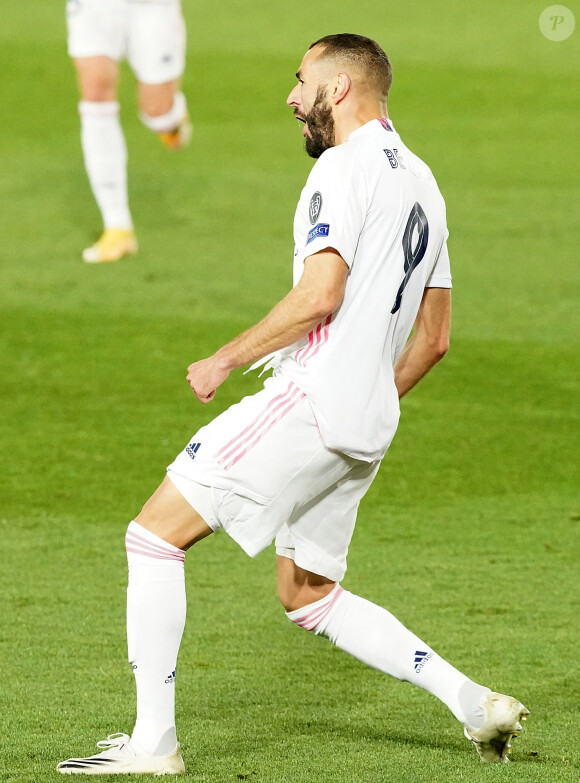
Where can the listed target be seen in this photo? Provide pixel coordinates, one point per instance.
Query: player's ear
(341, 87)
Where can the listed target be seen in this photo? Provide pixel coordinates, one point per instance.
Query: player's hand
(204, 377)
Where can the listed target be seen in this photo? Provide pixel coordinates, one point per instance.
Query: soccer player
(151, 35)
(293, 461)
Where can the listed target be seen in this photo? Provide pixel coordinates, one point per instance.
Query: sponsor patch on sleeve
(320, 230)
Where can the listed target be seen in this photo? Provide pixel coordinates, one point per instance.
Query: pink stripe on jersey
(302, 355)
(141, 546)
(310, 620)
(304, 358)
(306, 347)
(272, 417)
(322, 337)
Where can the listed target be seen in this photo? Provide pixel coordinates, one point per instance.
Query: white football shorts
(260, 471)
(150, 34)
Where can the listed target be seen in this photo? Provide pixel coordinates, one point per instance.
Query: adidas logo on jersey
(421, 659)
(171, 678)
(192, 449)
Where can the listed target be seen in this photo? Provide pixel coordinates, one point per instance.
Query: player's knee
(159, 116)
(316, 615)
(295, 598)
(155, 106)
(292, 594)
(98, 90)
(285, 598)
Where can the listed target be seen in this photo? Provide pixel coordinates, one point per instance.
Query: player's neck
(346, 122)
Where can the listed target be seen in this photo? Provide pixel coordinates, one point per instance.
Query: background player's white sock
(155, 620)
(377, 638)
(169, 121)
(105, 155)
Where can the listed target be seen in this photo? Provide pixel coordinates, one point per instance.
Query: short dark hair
(364, 53)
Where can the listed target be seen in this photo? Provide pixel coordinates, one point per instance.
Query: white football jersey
(378, 205)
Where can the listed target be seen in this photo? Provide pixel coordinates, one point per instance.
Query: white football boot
(122, 756)
(503, 716)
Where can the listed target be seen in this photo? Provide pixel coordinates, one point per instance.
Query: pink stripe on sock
(159, 548)
(137, 551)
(310, 620)
(146, 547)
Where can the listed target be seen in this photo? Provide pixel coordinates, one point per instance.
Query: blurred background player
(151, 35)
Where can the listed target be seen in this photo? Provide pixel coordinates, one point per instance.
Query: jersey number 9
(413, 255)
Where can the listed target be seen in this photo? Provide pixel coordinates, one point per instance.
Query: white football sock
(105, 155)
(156, 609)
(377, 638)
(169, 121)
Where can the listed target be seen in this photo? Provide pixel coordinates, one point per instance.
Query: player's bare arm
(318, 293)
(429, 342)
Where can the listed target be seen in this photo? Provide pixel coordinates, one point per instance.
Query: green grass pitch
(468, 534)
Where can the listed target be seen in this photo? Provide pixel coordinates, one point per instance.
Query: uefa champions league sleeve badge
(315, 207)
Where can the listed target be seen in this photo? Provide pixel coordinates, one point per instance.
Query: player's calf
(377, 638)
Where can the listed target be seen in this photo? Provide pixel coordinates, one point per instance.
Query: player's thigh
(156, 99)
(261, 458)
(156, 42)
(98, 78)
(171, 517)
(318, 533)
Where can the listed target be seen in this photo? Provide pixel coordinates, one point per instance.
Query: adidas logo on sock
(171, 678)
(192, 449)
(421, 659)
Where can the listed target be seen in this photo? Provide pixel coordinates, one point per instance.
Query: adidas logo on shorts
(192, 449)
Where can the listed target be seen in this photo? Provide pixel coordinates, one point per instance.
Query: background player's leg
(105, 156)
(163, 109)
(156, 608)
(374, 636)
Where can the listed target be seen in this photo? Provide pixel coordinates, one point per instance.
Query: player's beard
(320, 126)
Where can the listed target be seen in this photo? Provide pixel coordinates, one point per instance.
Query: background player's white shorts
(151, 35)
(260, 470)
